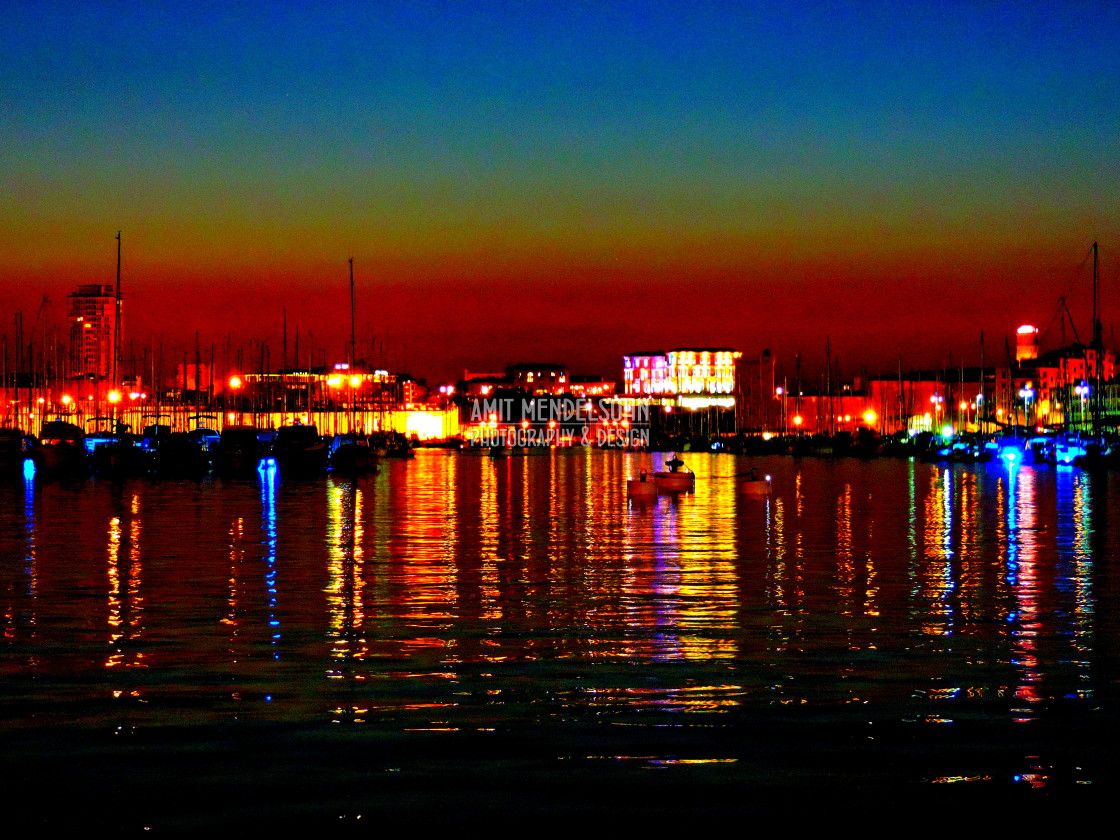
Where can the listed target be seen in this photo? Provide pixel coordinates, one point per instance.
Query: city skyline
(518, 182)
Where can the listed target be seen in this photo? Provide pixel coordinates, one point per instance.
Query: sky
(564, 182)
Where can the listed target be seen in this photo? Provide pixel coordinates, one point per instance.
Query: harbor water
(472, 640)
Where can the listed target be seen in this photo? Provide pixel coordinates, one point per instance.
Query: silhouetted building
(539, 377)
(759, 400)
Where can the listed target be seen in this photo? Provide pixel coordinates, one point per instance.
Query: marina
(601, 418)
(520, 637)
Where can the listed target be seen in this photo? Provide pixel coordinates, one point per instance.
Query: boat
(172, 453)
(61, 449)
(15, 448)
(398, 446)
(675, 482)
(750, 484)
(963, 448)
(642, 487)
(153, 437)
(299, 450)
(239, 451)
(184, 455)
(677, 479)
(351, 454)
(113, 449)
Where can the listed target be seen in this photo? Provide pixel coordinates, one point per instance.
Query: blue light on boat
(28, 469)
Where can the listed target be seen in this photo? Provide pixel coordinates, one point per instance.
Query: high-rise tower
(93, 325)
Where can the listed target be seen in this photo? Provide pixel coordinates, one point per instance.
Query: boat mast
(980, 399)
(1096, 319)
(352, 313)
(116, 319)
(828, 385)
(1098, 351)
(352, 352)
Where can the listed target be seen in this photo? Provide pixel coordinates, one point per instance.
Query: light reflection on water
(457, 593)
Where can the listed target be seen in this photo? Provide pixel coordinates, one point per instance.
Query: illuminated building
(700, 375)
(646, 374)
(323, 389)
(1026, 343)
(590, 386)
(927, 400)
(688, 377)
(538, 379)
(93, 316)
(482, 384)
(1051, 379)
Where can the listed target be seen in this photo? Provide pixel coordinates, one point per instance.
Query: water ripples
(459, 594)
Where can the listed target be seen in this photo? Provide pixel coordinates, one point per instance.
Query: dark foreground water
(467, 641)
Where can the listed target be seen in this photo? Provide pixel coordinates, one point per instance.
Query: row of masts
(115, 366)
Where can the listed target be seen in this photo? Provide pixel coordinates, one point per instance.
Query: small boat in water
(676, 479)
(642, 487)
(751, 484)
(394, 445)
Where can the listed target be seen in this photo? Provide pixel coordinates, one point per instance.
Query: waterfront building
(687, 377)
(324, 389)
(928, 401)
(92, 314)
(538, 377)
(591, 386)
(1053, 387)
(759, 397)
(482, 384)
(646, 374)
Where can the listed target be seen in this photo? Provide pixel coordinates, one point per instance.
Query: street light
(1026, 393)
(1082, 391)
